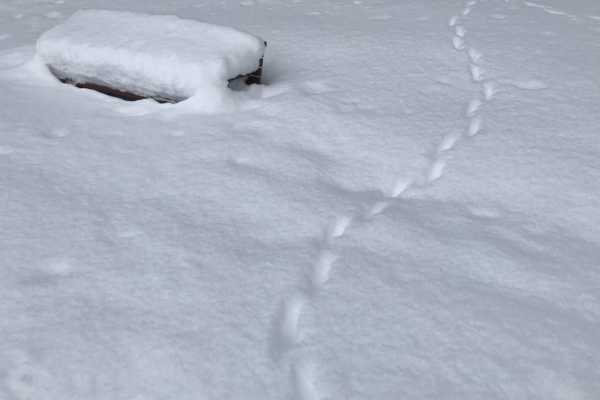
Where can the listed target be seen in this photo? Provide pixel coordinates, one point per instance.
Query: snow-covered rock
(148, 55)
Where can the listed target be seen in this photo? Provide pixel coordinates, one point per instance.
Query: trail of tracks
(289, 329)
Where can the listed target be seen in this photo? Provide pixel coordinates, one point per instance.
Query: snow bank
(148, 55)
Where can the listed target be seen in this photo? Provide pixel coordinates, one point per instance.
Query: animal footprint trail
(488, 89)
(289, 321)
(474, 105)
(303, 370)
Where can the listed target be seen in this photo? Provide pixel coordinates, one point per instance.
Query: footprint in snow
(474, 125)
(338, 228)
(489, 89)
(458, 43)
(322, 268)
(472, 107)
(290, 318)
(474, 55)
(452, 21)
(448, 142)
(377, 209)
(436, 170)
(476, 73)
(401, 186)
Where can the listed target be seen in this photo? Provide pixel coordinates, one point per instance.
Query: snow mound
(148, 55)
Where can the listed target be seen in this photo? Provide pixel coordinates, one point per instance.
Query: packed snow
(149, 55)
(406, 209)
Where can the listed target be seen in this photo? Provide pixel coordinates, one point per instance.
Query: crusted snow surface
(149, 55)
(389, 217)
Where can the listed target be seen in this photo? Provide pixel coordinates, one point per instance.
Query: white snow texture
(406, 209)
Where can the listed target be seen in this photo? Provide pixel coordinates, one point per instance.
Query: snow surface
(408, 209)
(149, 55)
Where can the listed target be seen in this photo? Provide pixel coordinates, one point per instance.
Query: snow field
(399, 217)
